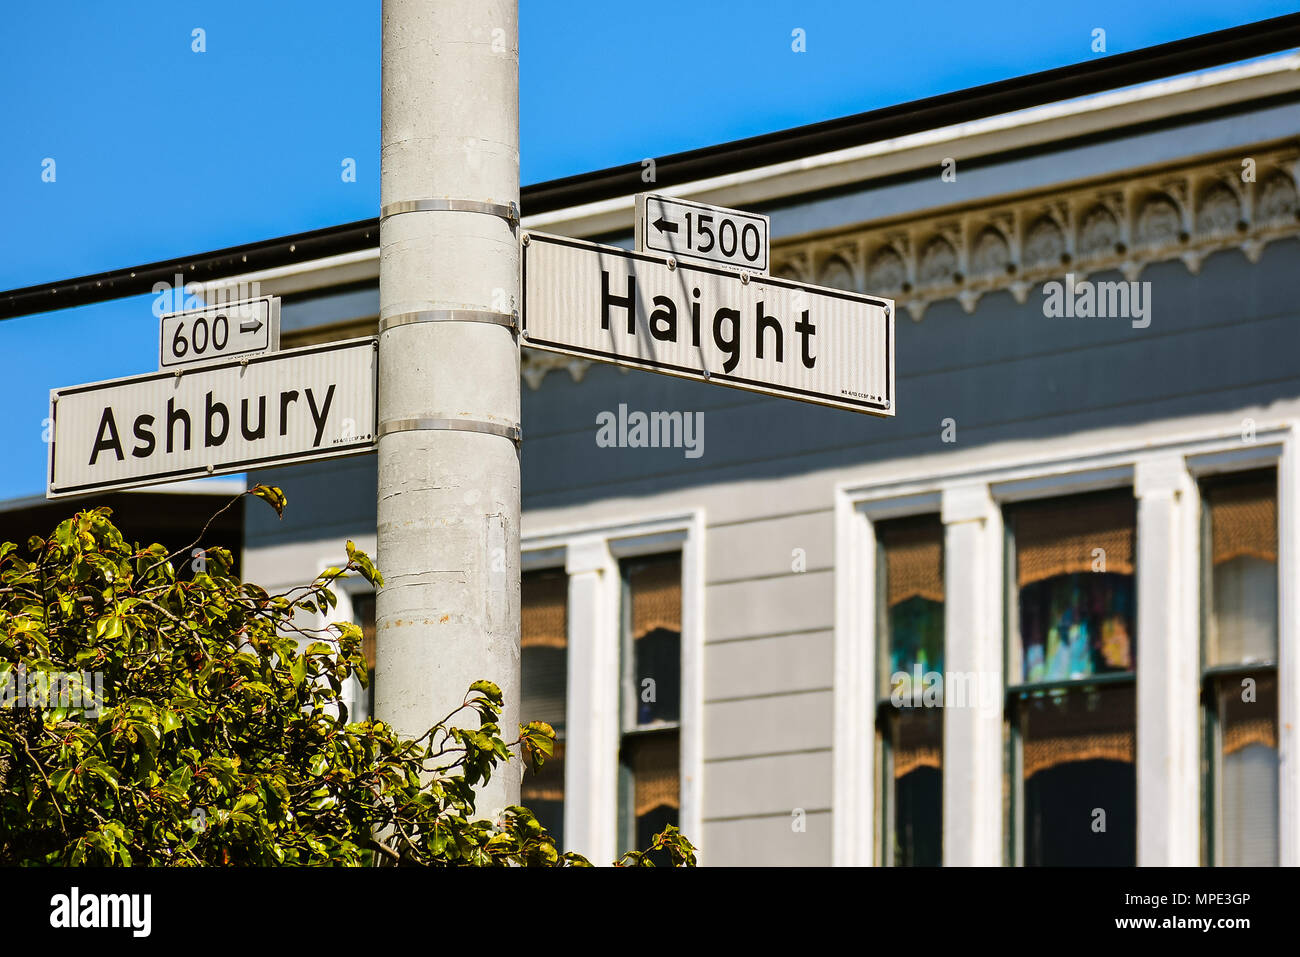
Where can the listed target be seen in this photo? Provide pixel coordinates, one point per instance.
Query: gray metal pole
(448, 528)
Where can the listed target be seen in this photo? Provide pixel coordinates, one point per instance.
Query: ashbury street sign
(272, 409)
(718, 325)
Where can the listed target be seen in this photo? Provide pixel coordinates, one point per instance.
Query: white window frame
(590, 555)
(1164, 477)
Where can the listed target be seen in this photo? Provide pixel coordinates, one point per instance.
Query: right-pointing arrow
(250, 325)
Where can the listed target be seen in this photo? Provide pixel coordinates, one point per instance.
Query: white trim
(1168, 633)
(1251, 456)
(590, 554)
(854, 832)
(1061, 483)
(1177, 461)
(853, 797)
(1024, 464)
(973, 645)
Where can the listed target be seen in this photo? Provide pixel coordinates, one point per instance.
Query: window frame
(590, 554)
(882, 706)
(1013, 656)
(1211, 737)
(1016, 472)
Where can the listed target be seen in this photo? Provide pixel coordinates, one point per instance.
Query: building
(1085, 515)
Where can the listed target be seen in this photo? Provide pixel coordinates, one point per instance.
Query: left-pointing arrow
(665, 226)
(250, 325)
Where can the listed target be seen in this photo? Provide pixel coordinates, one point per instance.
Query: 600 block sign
(219, 332)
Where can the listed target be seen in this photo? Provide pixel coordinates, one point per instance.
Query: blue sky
(160, 151)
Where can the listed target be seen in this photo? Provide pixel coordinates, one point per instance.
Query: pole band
(511, 432)
(509, 213)
(509, 320)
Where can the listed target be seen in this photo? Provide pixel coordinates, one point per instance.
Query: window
(1071, 679)
(1239, 679)
(909, 724)
(651, 663)
(544, 673)
(363, 699)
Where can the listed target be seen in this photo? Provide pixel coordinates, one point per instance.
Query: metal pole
(448, 525)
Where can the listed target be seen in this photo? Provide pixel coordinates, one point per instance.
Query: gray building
(1045, 614)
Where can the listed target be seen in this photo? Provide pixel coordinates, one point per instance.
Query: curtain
(655, 595)
(544, 646)
(1061, 536)
(1247, 783)
(1243, 529)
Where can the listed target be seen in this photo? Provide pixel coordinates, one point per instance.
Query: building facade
(1046, 614)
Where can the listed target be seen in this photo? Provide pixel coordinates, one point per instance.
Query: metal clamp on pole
(511, 432)
(510, 320)
(509, 213)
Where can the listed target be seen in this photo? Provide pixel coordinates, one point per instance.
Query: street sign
(213, 333)
(690, 230)
(758, 333)
(272, 409)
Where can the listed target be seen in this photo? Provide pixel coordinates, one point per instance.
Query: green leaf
(272, 495)
(171, 721)
(180, 779)
(102, 771)
(364, 565)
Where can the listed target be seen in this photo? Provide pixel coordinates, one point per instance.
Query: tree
(169, 718)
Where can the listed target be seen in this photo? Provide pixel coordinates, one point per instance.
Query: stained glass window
(1075, 586)
(910, 722)
(1074, 653)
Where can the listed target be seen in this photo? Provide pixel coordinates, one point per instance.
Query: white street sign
(690, 230)
(758, 333)
(212, 333)
(273, 409)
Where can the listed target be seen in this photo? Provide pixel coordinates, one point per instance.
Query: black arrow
(250, 325)
(664, 226)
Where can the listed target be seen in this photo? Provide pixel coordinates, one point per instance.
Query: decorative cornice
(1125, 223)
(534, 364)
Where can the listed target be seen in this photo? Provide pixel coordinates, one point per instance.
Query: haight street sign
(272, 409)
(758, 333)
(679, 227)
